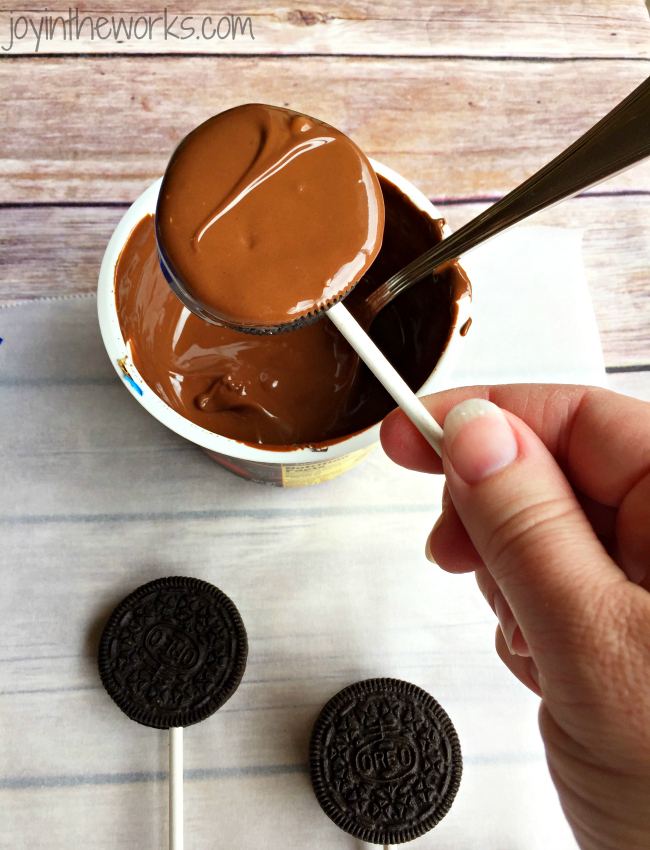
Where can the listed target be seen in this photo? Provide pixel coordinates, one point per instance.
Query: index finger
(600, 439)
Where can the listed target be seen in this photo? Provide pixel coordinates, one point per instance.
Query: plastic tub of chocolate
(422, 333)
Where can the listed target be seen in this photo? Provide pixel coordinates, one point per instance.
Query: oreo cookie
(173, 652)
(385, 761)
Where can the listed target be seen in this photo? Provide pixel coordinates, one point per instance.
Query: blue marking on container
(130, 380)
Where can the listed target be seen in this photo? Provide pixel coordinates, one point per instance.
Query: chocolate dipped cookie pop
(265, 217)
(385, 761)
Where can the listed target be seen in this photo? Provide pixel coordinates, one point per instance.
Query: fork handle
(621, 139)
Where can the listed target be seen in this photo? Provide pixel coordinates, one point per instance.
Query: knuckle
(624, 643)
(517, 532)
(618, 650)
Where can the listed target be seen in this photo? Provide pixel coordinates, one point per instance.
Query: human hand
(548, 501)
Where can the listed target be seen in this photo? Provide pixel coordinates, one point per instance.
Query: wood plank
(49, 252)
(71, 241)
(92, 128)
(557, 28)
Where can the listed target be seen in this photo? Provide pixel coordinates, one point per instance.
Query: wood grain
(65, 259)
(53, 251)
(89, 129)
(557, 28)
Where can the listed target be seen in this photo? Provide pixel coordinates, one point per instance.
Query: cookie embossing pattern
(385, 761)
(173, 652)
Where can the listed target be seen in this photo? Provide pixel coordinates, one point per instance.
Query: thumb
(528, 527)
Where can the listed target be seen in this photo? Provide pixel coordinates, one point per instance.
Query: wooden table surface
(465, 99)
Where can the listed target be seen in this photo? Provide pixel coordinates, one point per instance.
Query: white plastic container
(291, 467)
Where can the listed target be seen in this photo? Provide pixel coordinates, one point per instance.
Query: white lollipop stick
(389, 377)
(176, 788)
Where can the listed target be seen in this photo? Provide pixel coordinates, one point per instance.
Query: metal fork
(617, 142)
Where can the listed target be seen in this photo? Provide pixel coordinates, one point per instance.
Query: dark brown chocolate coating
(266, 215)
(306, 387)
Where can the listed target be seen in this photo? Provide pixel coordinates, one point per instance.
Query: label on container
(300, 474)
(290, 474)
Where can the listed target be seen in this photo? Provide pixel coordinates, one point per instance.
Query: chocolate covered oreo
(385, 761)
(266, 216)
(173, 652)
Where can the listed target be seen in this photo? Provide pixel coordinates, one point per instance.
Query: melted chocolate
(307, 387)
(266, 215)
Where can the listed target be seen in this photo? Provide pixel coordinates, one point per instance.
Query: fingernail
(512, 634)
(427, 547)
(478, 439)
